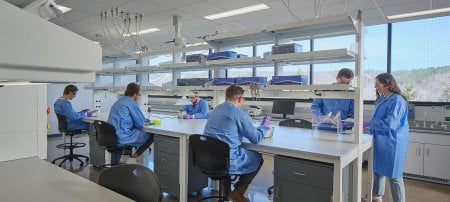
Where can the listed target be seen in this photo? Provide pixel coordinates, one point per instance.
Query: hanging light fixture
(123, 30)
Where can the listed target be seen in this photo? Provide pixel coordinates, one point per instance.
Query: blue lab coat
(128, 120)
(230, 124)
(390, 129)
(64, 107)
(199, 110)
(323, 106)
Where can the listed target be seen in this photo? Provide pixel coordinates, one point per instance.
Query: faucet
(416, 124)
(426, 119)
(434, 124)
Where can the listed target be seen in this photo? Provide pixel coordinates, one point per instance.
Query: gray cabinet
(96, 154)
(304, 180)
(167, 167)
(427, 157)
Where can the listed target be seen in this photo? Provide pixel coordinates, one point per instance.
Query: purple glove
(188, 116)
(365, 124)
(266, 121)
(85, 110)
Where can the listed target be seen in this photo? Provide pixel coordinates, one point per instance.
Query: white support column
(358, 130)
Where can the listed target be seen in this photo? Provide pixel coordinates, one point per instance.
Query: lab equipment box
(286, 48)
(195, 58)
(290, 80)
(192, 82)
(249, 80)
(224, 81)
(222, 55)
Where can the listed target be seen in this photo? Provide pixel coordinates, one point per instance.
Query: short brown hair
(345, 72)
(70, 88)
(233, 92)
(132, 89)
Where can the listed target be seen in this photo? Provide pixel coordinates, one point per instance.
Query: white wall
(23, 121)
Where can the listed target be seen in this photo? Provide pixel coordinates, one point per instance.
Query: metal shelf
(236, 61)
(316, 28)
(315, 57)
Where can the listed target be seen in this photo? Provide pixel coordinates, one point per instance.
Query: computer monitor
(283, 107)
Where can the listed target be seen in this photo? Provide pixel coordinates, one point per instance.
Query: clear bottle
(338, 123)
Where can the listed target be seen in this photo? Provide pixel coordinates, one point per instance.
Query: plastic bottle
(338, 123)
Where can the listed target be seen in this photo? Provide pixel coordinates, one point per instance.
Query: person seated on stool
(324, 106)
(128, 119)
(229, 123)
(198, 109)
(63, 106)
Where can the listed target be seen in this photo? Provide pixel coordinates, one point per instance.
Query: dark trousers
(245, 179)
(146, 145)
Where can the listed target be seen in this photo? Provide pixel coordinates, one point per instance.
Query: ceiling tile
(168, 15)
(81, 27)
(200, 9)
(174, 3)
(87, 6)
(144, 7)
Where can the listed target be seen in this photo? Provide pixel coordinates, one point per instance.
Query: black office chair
(106, 138)
(62, 127)
(212, 157)
(294, 123)
(134, 181)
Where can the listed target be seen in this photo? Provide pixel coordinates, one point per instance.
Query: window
(105, 81)
(247, 50)
(337, 42)
(160, 79)
(261, 49)
(108, 65)
(160, 59)
(194, 74)
(326, 73)
(374, 58)
(420, 57)
(125, 63)
(240, 72)
(125, 79)
(265, 71)
(288, 69)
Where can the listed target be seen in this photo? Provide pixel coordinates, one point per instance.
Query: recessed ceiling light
(239, 11)
(420, 13)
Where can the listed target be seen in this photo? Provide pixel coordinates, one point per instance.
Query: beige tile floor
(416, 191)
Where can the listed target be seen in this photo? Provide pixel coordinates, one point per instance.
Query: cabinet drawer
(304, 171)
(170, 187)
(287, 191)
(167, 172)
(167, 144)
(164, 159)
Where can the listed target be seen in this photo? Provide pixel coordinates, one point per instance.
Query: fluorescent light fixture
(196, 44)
(239, 11)
(96, 42)
(63, 8)
(13, 83)
(420, 13)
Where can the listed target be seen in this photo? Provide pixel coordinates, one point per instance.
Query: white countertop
(34, 179)
(285, 140)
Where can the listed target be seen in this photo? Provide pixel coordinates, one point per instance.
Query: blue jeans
(397, 187)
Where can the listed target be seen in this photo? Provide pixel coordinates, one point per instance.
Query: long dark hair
(388, 80)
